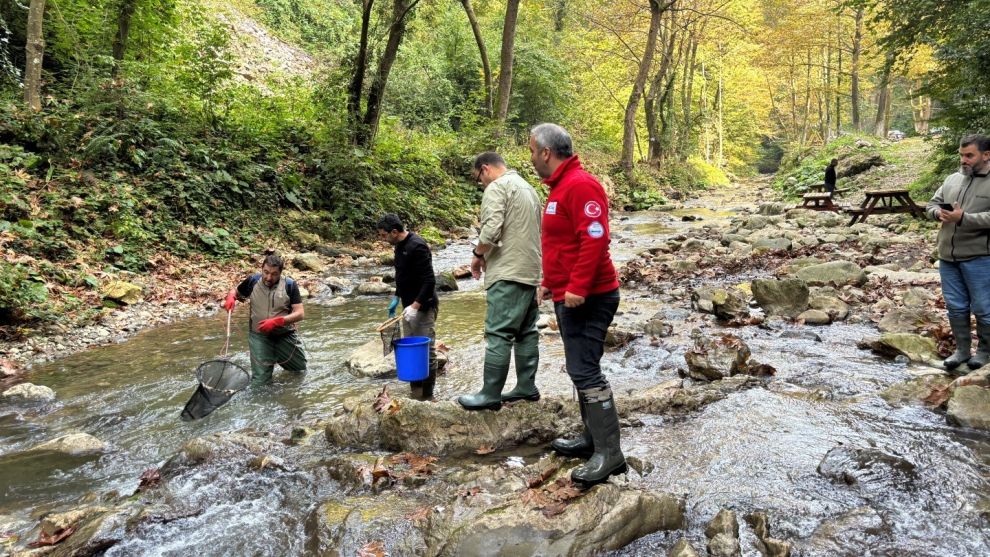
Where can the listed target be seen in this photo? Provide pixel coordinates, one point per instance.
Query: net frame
(389, 332)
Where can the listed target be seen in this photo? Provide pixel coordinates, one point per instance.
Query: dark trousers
(583, 331)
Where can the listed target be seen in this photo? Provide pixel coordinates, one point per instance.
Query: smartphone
(946, 206)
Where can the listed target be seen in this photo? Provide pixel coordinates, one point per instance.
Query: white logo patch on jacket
(552, 208)
(596, 230)
(593, 209)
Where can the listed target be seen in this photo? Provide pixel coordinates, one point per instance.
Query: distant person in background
(508, 253)
(962, 205)
(415, 289)
(830, 176)
(276, 306)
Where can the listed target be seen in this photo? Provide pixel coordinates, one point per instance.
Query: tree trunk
(854, 72)
(687, 95)
(657, 87)
(35, 50)
(639, 85)
(559, 11)
(356, 86)
(881, 122)
(376, 92)
(486, 67)
(921, 110)
(838, 79)
(505, 63)
(123, 31)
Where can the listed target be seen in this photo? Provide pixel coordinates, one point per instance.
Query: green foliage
(22, 294)
(800, 170)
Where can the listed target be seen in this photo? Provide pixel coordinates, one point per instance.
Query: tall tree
(124, 15)
(639, 85)
(35, 49)
(505, 62)
(486, 67)
(857, 48)
(881, 122)
(354, 90)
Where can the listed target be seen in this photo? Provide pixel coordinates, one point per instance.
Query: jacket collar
(569, 164)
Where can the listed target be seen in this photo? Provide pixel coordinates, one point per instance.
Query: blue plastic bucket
(412, 358)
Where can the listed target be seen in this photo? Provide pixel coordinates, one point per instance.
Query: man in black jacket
(830, 176)
(415, 289)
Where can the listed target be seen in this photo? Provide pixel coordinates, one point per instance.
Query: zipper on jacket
(955, 226)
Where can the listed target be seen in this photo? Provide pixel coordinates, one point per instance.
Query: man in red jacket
(579, 276)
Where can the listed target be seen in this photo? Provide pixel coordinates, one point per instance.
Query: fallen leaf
(382, 401)
(553, 509)
(420, 515)
(940, 395)
(485, 449)
(150, 479)
(53, 539)
(546, 474)
(372, 549)
(469, 492)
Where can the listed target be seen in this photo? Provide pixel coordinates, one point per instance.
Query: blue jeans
(966, 288)
(583, 331)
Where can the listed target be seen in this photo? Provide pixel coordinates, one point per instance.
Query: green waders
(267, 350)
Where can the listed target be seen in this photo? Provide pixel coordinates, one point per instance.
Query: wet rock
(122, 292)
(834, 273)
(682, 549)
(72, 444)
(814, 317)
(711, 360)
(96, 529)
(337, 284)
(8, 368)
(914, 390)
(907, 320)
(856, 532)
(374, 288)
(771, 244)
(670, 397)
(345, 526)
(836, 309)
(222, 446)
(462, 272)
(725, 522)
(871, 470)
(978, 378)
(368, 361)
(801, 334)
(915, 347)
(658, 327)
(771, 547)
(787, 297)
(616, 337)
(725, 303)
(307, 262)
(770, 209)
(53, 523)
(723, 545)
(28, 392)
(303, 292)
(446, 282)
(970, 407)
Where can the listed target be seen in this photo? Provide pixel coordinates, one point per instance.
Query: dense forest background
(134, 130)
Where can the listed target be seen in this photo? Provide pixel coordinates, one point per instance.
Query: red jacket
(575, 234)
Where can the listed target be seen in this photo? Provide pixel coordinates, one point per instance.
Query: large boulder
(814, 317)
(836, 309)
(711, 360)
(73, 444)
(787, 297)
(725, 303)
(682, 549)
(368, 361)
(307, 262)
(374, 288)
(857, 163)
(28, 392)
(446, 282)
(833, 273)
(771, 244)
(907, 320)
(916, 347)
(970, 407)
(122, 291)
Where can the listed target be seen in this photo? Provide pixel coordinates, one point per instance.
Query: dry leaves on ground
(553, 498)
(484, 449)
(374, 473)
(545, 475)
(385, 404)
(940, 395)
(420, 515)
(469, 492)
(149, 479)
(372, 549)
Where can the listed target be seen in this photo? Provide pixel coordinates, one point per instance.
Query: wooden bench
(885, 202)
(818, 202)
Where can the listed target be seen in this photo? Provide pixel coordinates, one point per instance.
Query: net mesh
(390, 333)
(219, 380)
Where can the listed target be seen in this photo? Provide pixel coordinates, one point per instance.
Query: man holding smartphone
(962, 205)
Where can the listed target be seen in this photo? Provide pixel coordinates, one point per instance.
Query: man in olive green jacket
(962, 205)
(508, 252)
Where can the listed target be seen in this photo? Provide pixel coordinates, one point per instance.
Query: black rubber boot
(582, 446)
(603, 422)
(490, 396)
(423, 390)
(982, 355)
(961, 332)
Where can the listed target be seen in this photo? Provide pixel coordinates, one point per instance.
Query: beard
(966, 170)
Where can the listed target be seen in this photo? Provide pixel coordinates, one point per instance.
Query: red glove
(267, 325)
(230, 302)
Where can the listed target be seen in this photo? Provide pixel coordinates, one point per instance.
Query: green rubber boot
(982, 355)
(527, 362)
(490, 396)
(603, 422)
(963, 335)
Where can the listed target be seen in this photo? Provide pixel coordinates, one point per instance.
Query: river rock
(869, 469)
(544, 321)
(344, 526)
(223, 446)
(836, 309)
(337, 284)
(462, 272)
(856, 532)
(770, 209)
(916, 347)
(725, 522)
(658, 327)
(970, 407)
(73, 444)
(725, 303)
(368, 361)
(54, 523)
(616, 337)
(122, 291)
(915, 389)
(28, 392)
(771, 244)
(907, 320)
(857, 163)
(787, 297)
(834, 273)
(670, 397)
(917, 297)
(446, 282)
(307, 262)
(814, 317)
(373, 288)
(711, 360)
(682, 549)
(723, 545)
(798, 263)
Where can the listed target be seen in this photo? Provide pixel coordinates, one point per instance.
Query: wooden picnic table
(820, 188)
(818, 202)
(885, 202)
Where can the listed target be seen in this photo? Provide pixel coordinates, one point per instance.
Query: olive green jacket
(511, 213)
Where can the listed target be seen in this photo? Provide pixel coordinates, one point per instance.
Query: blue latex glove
(392, 306)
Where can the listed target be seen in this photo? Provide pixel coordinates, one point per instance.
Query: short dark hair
(491, 158)
(390, 222)
(553, 137)
(273, 259)
(981, 141)
(834, 162)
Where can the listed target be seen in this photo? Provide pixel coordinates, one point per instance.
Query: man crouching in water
(276, 306)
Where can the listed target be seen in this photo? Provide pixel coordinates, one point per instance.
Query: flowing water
(919, 486)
